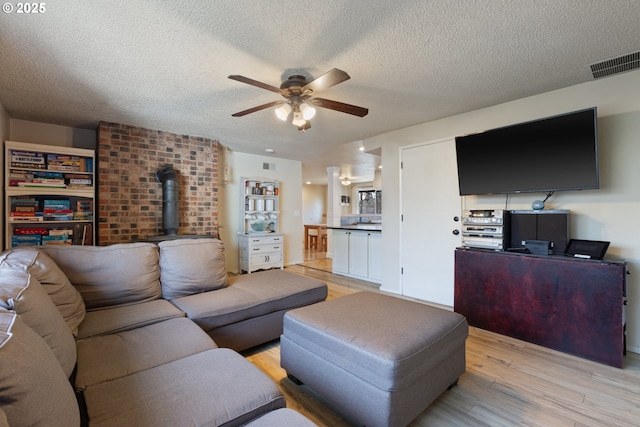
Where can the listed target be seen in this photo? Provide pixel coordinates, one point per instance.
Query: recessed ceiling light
(269, 150)
(308, 182)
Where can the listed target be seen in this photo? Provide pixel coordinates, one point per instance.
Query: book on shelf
(27, 159)
(57, 210)
(42, 184)
(79, 179)
(57, 204)
(26, 240)
(66, 232)
(87, 235)
(63, 162)
(24, 202)
(56, 240)
(23, 213)
(21, 231)
(26, 219)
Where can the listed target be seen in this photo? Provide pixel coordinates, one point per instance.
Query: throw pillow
(64, 295)
(21, 292)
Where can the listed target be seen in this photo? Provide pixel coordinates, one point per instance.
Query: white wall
(45, 133)
(289, 173)
(606, 214)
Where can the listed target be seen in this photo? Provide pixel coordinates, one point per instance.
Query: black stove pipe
(169, 179)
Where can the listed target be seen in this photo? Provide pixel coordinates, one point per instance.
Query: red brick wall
(130, 197)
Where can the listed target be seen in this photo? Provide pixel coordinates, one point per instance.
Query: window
(370, 201)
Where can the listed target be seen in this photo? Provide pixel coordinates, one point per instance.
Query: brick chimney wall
(129, 195)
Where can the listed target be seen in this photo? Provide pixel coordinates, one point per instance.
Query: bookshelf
(49, 195)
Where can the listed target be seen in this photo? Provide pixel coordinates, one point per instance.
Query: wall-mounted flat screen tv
(549, 154)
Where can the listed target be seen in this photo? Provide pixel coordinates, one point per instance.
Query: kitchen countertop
(357, 227)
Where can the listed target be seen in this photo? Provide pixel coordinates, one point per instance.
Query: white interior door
(429, 203)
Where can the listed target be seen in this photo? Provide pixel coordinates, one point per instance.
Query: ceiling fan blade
(325, 81)
(340, 106)
(256, 83)
(258, 108)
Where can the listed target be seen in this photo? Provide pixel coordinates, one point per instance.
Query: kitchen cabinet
(374, 250)
(357, 253)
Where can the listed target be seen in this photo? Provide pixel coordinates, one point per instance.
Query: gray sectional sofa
(133, 335)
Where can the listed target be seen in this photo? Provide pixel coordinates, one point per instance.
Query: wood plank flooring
(508, 382)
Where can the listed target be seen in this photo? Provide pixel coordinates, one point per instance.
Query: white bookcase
(260, 245)
(49, 195)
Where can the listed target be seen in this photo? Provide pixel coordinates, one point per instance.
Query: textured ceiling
(164, 65)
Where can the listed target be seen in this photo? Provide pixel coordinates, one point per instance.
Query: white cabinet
(260, 246)
(340, 249)
(374, 249)
(260, 252)
(49, 195)
(357, 254)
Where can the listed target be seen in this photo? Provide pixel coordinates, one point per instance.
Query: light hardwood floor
(508, 382)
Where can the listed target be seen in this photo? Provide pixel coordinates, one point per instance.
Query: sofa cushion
(107, 357)
(34, 390)
(191, 266)
(125, 317)
(53, 280)
(110, 275)
(252, 295)
(213, 388)
(22, 293)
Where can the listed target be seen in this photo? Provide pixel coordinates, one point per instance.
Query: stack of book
(24, 210)
(57, 210)
(84, 210)
(78, 180)
(37, 179)
(63, 162)
(42, 236)
(28, 160)
(58, 236)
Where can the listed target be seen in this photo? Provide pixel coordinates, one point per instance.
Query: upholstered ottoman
(379, 359)
(282, 417)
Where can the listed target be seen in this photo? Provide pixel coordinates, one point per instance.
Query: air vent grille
(617, 65)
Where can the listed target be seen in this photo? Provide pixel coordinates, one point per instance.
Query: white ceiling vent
(617, 65)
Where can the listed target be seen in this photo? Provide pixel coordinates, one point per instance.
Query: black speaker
(551, 226)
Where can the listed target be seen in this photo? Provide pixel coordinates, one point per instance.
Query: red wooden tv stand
(567, 304)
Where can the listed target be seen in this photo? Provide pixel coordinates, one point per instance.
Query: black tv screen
(550, 154)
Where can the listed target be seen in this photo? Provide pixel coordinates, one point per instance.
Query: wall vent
(268, 166)
(617, 65)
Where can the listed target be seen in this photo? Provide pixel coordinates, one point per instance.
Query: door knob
(456, 232)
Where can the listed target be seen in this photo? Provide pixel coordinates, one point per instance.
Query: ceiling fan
(298, 94)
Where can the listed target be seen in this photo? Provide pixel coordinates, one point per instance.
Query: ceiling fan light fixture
(298, 120)
(283, 111)
(307, 111)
